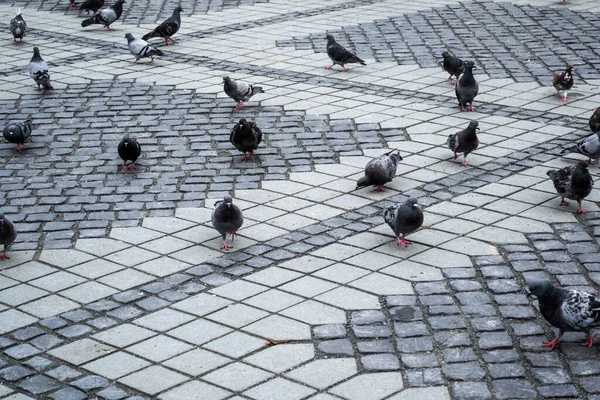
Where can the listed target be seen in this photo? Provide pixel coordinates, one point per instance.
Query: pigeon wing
(580, 310)
(339, 54)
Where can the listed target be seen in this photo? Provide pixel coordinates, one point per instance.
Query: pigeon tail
(148, 35)
(88, 22)
(572, 149)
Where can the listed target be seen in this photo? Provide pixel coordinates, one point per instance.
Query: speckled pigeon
(227, 218)
(129, 149)
(574, 182)
(380, 171)
(39, 71)
(595, 120)
(339, 55)
(141, 49)
(404, 218)
(239, 91)
(563, 82)
(106, 16)
(466, 88)
(452, 65)
(566, 309)
(167, 28)
(18, 27)
(464, 141)
(246, 137)
(18, 133)
(589, 147)
(8, 234)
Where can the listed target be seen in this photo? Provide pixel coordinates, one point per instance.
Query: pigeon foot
(133, 62)
(403, 242)
(378, 188)
(580, 210)
(563, 202)
(590, 162)
(589, 341)
(455, 156)
(344, 69)
(4, 256)
(565, 100)
(450, 79)
(233, 235)
(245, 158)
(19, 147)
(240, 105)
(551, 344)
(329, 66)
(454, 83)
(151, 59)
(132, 166)
(472, 108)
(171, 39)
(464, 164)
(463, 109)
(226, 246)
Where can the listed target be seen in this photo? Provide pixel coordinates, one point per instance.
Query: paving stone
(39, 384)
(89, 383)
(68, 393)
(471, 390)
(339, 347)
(513, 389)
(112, 393)
(15, 372)
(380, 362)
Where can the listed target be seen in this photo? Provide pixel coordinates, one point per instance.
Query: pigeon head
(177, 10)
(474, 125)
(445, 54)
(36, 51)
(228, 201)
(242, 122)
(582, 165)
(226, 79)
(362, 182)
(569, 68)
(540, 288)
(129, 37)
(470, 65)
(411, 201)
(330, 38)
(126, 140)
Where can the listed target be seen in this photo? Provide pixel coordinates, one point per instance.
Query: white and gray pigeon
(39, 71)
(589, 147)
(466, 88)
(566, 309)
(106, 16)
(239, 91)
(18, 133)
(141, 49)
(574, 182)
(404, 218)
(464, 141)
(18, 27)
(339, 55)
(8, 234)
(227, 218)
(595, 121)
(380, 171)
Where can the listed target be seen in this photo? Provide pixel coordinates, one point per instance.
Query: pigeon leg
(240, 105)
(472, 108)
(450, 79)
(166, 42)
(378, 188)
(462, 109)
(403, 242)
(590, 162)
(464, 164)
(171, 39)
(455, 155)
(151, 59)
(19, 147)
(563, 202)
(133, 62)
(225, 245)
(245, 158)
(580, 209)
(109, 28)
(251, 154)
(589, 342)
(233, 235)
(132, 166)
(565, 96)
(329, 66)
(344, 69)
(4, 255)
(551, 344)
(124, 165)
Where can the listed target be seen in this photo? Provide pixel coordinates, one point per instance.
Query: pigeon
(239, 91)
(168, 28)
(566, 309)
(18, 133)
(246, 137)
(595, 120)
(106, 16)
(129, 149)
(141, 49)
(466, 87)
(574, 182)
(227, 218)
(89, 5)
(8, 234)
(404, 219)
(39, 71)
(464, 141)
(452, 65)
(18, 27)
(563, 82)
(339, 55)
(589, 147)
(380, 171)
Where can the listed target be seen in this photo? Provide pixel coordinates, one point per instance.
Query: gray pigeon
(566, 309)
(239, 91)
(246, 137)
(18, 27)
(452, 65)
(464, 141)
(167, 28)
(574, 182)
(141, 49)
(466, 88)
(595, 120)
(339, 55)
(18, 132)
(106, 16)
(39, 71)
(380, 171)
(227, 218)
(8, 234)
(404, 219)
(589, 147)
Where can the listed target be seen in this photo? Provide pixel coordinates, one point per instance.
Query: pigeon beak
(417, 206)
(228, 205)
(477, 129)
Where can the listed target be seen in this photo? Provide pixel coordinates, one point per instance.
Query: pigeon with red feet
(589, 147)
(106, 16)
(339, 55)
(239, 91)
(167, 28)
(227, 218)
(129, 150)
(595, 120)
(380, 171)
(563, 82)
(246, 137)
(88, 5)
(464, 141)
(452, 65)
(141, 49)
(404, 218)
(574, 182)
(8, 234)
(566, 309)
(466, 87)
(18, 27)
(39, 71)
(18, 133)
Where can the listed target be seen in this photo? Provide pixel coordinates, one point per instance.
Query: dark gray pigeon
(18, 27)
(589, 147)
(404, 219)
(380, 171)
(563, 82)
(106, 16)
(574, 182)
(452, 65)
(129, 149)
(141, 49)
(566, 309)
(167, 28)
(339, 55)
(466, 88)
(239, 91)
(464, 141)
(39, 71)
(8, 234)
(227, 218)
(595, 120)
(89, 5)
(246, 137)
(18, 133)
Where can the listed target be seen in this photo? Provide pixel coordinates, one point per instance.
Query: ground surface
(116, 287)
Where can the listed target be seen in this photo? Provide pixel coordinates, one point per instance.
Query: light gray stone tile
(116, 365)
(321, 374)
(153, 380)
(375, 386)
(82, 351)
(195, 391)
(196, 362)
(279, 389)
(237, 377)
(282, 357)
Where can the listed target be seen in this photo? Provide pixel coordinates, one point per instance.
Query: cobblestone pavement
(116, 287)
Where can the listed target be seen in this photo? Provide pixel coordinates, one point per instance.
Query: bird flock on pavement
(566, 309)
